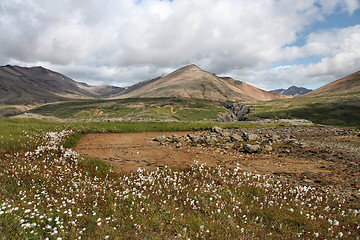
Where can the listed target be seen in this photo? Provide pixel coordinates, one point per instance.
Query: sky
(269, 44)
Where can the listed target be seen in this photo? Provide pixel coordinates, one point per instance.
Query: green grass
(135, 109)
(17, 134)
(337, 111)
(47, 190)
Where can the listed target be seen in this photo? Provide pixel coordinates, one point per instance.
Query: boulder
(216, 129)
(193, 137)
(268, 148)
(249, 148)
(291, 141)
(249, 136)
(160, 138)
(266, 142)
(236, 138)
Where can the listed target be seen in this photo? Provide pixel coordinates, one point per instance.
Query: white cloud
(128, 41)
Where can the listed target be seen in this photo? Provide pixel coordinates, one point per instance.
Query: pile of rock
(238, 140)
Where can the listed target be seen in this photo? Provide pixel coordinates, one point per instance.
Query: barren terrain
(324, 157)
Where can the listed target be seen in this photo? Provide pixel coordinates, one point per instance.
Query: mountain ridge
(192, 82)
(292, 91)
(34, 85)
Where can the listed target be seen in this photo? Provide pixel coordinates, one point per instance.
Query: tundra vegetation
(48, 191)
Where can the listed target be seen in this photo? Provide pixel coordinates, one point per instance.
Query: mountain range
(22, 85)
(36, 85)
(292, 91)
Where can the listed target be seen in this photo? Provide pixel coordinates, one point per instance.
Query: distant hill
(337, 103)
(192, 82)
(292, 91)
(341, 87)
(22, 85)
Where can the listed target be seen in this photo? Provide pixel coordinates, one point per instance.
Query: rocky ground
(328, 158)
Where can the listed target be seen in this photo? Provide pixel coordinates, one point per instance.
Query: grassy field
(135, 109)
(47, 191)
(16, 133)
(327, 110)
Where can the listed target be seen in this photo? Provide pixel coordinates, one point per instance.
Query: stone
(274, 138)
(268, 148)
(249, 136)
(303, 145)
(225, 133)
(236, 138)
(193, 137)
(249, 148)
(290, 141)
(179, 145)
(160, 138)
(266, 142)
(216, 129)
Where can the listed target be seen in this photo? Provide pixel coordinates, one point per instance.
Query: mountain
(292, 91)
(337, 103)
(192, 82)
(349, 85)
(22, 85)
(36, 85)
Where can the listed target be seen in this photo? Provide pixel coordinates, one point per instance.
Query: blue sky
(267, 43)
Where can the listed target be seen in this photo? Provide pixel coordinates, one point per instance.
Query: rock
(253, 137)
(266, 142)
(179, 145)
(268, 148)
(160, 138)
(249, 136)
(216, 129)
(236, 138)
(225, 133)
(274, 138)
(303, 145)
(290, 141)
(193, 137)
(249, 148)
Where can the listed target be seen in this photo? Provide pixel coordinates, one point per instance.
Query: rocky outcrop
(237, 112)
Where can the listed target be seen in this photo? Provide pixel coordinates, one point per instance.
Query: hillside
(344, 86)
(193, 82)
(21, 85)
(337, 103)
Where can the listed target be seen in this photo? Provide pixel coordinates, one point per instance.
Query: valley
(188, 154)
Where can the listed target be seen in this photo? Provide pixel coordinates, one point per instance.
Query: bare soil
(327, 158)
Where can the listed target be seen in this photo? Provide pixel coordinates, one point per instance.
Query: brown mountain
(22, 85)
(193, 82)
(341, 87)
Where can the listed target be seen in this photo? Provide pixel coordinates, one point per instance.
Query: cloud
(123, 42)
(339, 50)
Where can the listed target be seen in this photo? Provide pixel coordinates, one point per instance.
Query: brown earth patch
(329, 160)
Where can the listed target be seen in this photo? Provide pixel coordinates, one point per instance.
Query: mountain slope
(292, 91)
(337, 103)
(21, 85)
(347, 85)
(193, 82)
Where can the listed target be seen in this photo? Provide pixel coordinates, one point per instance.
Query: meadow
(154, 109)
(48, 191)
(327, 110)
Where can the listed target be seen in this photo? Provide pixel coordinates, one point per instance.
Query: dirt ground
(329, 158)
